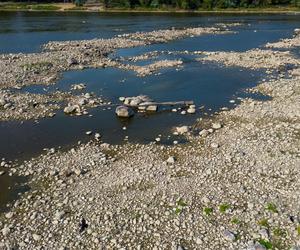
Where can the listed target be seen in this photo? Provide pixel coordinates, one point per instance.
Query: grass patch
(271, 207)
(263, 223)
(77, 8)
(14, 6)
(208, 211)
(28, 6)
(224, 207)
(265, 243)
(298, 230)
(236, 221)
(279, 232)
(44, 7)
(180, 204)
(37, 66)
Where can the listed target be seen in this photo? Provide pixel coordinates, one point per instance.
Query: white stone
(214, 145)
(182, 130)
(216, 125)
(171, 160)
(191, 110)
(9, 215)
(36, 237)
(5, 231)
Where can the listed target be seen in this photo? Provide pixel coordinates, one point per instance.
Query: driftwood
(186, 103)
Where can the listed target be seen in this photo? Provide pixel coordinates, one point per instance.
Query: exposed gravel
(286, 43)
(16, 105)
(25, 106)
(44, 68)
(253, 59)
(237, 186)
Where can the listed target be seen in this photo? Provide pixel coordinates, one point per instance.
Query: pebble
(9, 215)
(36, 237)
(229, 235)
(191, 110)
(214, 145)
(216, 125)
(171, 160)
(5, 231)
(182, 130)
(203, 132)
(59, 215)
(97, 136)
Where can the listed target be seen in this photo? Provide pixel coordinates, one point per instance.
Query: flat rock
(216, 125)
(229, 235)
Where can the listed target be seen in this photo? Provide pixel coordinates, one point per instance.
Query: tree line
(180, 4)
(198, 4)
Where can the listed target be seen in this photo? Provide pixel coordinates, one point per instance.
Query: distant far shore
(69, 7)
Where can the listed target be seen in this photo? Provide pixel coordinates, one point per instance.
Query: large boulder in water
(124, 111)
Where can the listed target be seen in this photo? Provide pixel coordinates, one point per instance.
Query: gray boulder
(124, 111)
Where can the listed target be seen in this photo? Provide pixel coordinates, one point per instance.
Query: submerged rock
(124, 111)
(79, 86)
(182, 130)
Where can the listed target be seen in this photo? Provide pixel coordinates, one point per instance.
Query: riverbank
(66, 7)
(235, 185)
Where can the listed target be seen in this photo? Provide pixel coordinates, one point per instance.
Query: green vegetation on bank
(28, 6)
(161, 5)
(201, 4)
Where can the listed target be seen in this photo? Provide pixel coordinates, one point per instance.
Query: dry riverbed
(235, 185)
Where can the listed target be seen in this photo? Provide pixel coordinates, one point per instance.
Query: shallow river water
(208, 85)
